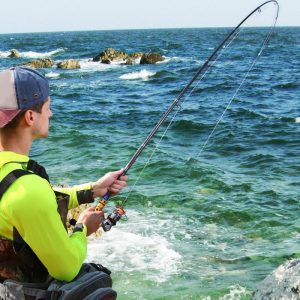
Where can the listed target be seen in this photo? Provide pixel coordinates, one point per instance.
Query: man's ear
(29, 117)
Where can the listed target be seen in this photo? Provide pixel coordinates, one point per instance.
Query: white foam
(143, 250)
(236, 292)
(143, 74)
(297, 120)
(118, 62)
(93, 66)
(32, 54)
(52, 75)
(4, 53)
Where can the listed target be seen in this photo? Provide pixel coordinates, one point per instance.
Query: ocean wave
(297, 120)
(287, 86)
(138, 234)
(4, 54)
(189, 126)
(33, 54)
(241, 113)
(164, 76)
(260, 160)
(91, 66)
(52, 75)
(143, 74)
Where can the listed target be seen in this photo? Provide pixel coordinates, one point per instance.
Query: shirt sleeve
(33, 211)
(79, 194)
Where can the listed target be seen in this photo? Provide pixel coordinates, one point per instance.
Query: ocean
(210, 211)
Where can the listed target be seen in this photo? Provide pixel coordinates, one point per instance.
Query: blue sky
(64, 15)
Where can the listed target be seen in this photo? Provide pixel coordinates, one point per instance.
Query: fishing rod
(119, 211)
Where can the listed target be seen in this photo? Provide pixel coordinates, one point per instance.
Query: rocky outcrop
(281, 284)
(14, 53)
(108, 56)
(69, 64)
(39, 63)
(111, 55)
(151, 58)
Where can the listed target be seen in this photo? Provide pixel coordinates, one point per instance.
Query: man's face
(41, 126)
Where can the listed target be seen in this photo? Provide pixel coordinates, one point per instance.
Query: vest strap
(10, 178)
(33, 166)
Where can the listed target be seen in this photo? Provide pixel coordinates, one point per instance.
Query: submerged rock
(281, 284)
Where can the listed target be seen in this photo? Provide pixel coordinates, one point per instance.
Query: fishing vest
(17, 260)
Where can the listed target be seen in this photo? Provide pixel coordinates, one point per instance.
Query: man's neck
(15, 141)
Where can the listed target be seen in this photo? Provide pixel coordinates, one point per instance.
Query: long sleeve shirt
(30, 206)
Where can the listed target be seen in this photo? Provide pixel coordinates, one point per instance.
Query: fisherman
(34, 242)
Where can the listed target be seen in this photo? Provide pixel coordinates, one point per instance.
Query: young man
(34, 241)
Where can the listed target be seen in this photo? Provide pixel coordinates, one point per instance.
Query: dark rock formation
(151, 58)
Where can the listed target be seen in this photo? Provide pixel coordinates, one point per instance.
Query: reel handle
(113, 218)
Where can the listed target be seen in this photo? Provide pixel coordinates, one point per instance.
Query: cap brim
(7, 115)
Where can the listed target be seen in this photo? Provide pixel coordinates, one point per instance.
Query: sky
(70, 15)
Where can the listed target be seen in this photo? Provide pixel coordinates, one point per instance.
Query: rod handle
(103, 202)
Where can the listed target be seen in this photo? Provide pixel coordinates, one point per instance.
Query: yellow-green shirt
(30, 206)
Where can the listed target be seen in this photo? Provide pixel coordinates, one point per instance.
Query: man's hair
(16, 120)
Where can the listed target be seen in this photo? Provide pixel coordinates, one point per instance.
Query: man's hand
(91, 218)
(109, 183)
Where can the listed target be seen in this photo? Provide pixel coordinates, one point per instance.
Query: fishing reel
(112, 219)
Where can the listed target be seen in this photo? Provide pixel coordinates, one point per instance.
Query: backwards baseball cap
(21, 88)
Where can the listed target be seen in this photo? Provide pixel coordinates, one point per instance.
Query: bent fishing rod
(119, 211)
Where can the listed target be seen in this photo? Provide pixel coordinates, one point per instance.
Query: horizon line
(132, 29)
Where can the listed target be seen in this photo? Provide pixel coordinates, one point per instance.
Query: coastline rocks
(39, 63)
(111, 55)
(151, 58)
(283, 283)
(69, 64)
(108, 56)
(14, 53)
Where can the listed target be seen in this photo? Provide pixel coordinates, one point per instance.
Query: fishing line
(225, 47)
(264, 44)
(118, 212)
(176, 112)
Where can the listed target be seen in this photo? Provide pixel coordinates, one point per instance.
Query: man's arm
(33, 211)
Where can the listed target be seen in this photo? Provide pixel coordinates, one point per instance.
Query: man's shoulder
(22, 182)
(29, 193)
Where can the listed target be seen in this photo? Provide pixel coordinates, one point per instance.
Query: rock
(128, 61)
(151, 58)
(136, 55)
(110, 54)
(105, 61)
(14, 53)
(69, 64)
(281, 284)
(39, 63)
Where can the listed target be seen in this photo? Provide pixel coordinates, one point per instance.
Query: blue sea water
(202, 223)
